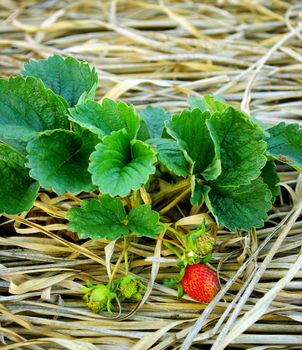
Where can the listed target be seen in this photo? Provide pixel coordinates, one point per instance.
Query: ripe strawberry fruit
(200, 282)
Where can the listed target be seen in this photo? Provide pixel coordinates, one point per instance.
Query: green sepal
(180, 291)
(170, 282)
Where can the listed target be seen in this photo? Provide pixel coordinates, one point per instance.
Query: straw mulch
(158, 52)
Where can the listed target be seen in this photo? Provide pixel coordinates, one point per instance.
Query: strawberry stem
(181, 237)
(174, 202)
(175, 244)
(114, 270)
(125, 253)
(172, 249)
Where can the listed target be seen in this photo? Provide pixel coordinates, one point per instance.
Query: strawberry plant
(143, 168)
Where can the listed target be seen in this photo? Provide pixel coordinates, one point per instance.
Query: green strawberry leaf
(240, 208)
(96, 219)
(285, 144)
(197, 196)
(87, 95)
(17, 191)
(120, 164)
(155, 118)
(104, 118)
(107, 218)
(144, 222)
(170, 155)
(89, 116)
(241, 147)
(27, 107)
(67, 77)
(270, 177)
(190, 131)
(208, 103)
(59, 160)
(143, 131)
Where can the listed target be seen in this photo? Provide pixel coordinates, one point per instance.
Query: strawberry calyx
(129, 287)
(201, 242)
(98, 297)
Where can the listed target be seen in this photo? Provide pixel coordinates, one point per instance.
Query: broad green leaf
(208, 103)
(270, 177)
(155, 118)
(143, 131)
(27, 107)
(104, 118)
(285, 144)
(242, 207)
(96, 219)
(144, 222)
(59, 160)
(170, 155)
(120, 164)
(87, 95)
(66, 77)
(89, 116)
(190, 131)
(17, 190)
(241, 147)
(260, 123)
(197, 195)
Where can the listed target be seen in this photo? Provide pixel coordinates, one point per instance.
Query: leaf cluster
(54, 135)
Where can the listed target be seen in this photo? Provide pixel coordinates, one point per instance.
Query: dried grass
(159, 52)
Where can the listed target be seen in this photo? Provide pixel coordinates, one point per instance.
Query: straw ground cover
(158, 53)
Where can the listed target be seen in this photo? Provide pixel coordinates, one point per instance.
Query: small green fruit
(98, 298)
(129, 287)
(201, 241)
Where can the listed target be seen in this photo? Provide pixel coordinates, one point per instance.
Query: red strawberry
(200, 282)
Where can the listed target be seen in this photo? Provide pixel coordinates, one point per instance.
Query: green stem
(179, 235)
(174, 243)
(174, 202)
(125, 253)
(115, 270)
(171, 189)
(172, 249)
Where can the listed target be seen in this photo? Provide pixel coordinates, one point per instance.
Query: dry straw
(158, 52)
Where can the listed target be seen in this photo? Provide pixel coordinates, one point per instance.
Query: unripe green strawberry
(98, 298)
(205, 244)
(129, 287)
(201, 241)
(200, 282)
